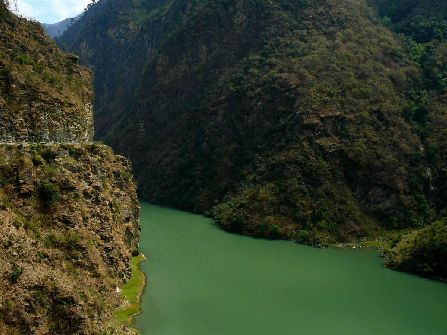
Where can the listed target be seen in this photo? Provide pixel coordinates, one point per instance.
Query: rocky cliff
(44, 95)
(68, 227)
(69, 213)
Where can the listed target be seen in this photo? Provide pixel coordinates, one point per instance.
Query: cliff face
(44, 95)
(68, 227)
(69, 213)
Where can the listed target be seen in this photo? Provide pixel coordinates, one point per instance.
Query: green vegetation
(317, 121)
(422, 28)
(16, 272)
(291, 136)
(70, 241)
(49, 194)
(422, 251)
(131, 292)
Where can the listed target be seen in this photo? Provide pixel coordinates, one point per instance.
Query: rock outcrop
(68, 228)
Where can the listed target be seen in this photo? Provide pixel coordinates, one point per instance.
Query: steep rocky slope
(44, 94)
(68, 227)
(304, 120)
(68, 211)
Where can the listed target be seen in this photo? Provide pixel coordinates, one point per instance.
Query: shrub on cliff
(49, 194)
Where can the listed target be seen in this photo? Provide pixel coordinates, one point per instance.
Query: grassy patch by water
(131, 292)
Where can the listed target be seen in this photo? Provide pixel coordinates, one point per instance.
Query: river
(204, 281)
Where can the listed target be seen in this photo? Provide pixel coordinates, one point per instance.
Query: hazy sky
(50, 11)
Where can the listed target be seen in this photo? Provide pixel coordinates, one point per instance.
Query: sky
(51, 11)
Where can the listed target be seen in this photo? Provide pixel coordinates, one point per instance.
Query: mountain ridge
(57, 29)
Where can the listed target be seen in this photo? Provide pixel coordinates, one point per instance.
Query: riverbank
(132, 292)
(419, 251)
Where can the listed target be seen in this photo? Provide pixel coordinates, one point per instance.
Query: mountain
(57, 29)
(316, 121)
(69, 213)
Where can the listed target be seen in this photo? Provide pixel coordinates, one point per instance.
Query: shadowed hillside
(304, 120)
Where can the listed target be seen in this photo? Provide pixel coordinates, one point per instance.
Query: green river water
(204, 281)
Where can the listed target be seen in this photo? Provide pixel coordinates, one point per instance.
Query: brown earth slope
(68, 227)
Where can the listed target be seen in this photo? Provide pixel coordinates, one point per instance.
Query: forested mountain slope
(422, 29)
(292, 119)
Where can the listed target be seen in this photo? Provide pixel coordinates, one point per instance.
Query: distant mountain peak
(57, 29)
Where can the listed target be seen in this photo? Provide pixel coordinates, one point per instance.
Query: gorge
(302, 139)
(315, 121)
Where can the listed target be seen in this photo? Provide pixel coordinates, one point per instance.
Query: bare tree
(11, 4)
